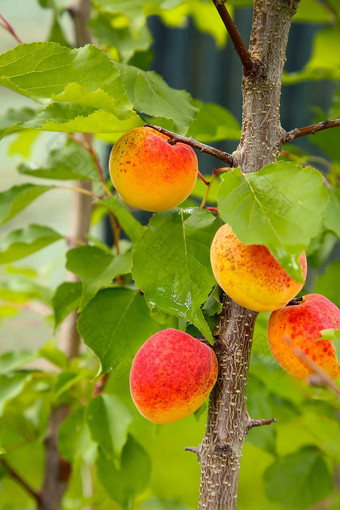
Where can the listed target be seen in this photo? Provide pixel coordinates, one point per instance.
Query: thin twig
(251, 67)
(193, 449)
(7, 26)
(13, 474)
(309, 130)
(202, 147)
(78, 142)
(318, 377)
(97, 163)
(260, 423)
(114, 224)
(79, 190)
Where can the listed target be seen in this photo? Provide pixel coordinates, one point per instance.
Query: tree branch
(260, 423)
(202, 147)
(251, 67)
(288, 136)
(13, 474)
(7, 26)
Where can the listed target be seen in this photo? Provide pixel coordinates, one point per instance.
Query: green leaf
(10, 122)
(85, 86)
(45, 70)
(306, 477)
(125, 40)
(66, 299)
(74, 439)
(74, 118)
(213, 123)
(171, 263)
(108, 420)
(152, 96)
(66, 380)
(23, 142)
(10, 361)
(96, 268)
(129, 224)
(115, 324)
(324, 64)
(68, 162)
(281, 206)
(21, 243)
(332, 214)
(123, 484)
(324, 285)
(50, 352)
(11, 386)
(330, 334)
(313, 11)
(17, 198)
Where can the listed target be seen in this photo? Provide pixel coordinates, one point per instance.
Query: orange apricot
(250, 274)
(296, 328)
(171, 376)
(151, 174)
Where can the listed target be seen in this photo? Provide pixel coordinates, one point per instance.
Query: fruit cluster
(173, 373)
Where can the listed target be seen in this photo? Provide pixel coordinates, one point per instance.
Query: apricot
(296, 328)
(250, 274)
(151, 174)
(171, 376)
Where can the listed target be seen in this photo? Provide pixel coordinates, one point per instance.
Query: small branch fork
(7, 26)
(309, 130)
(251, 67)
(251, 424)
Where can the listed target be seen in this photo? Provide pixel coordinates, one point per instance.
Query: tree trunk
(262, 136)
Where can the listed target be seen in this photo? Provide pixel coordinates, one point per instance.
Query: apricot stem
(205, 198)
(202, 147)
(295, 301)
(251, 67)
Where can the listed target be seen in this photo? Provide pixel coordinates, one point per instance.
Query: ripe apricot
(297, 327)
(151, 174)
(250, 274)
(171, 376)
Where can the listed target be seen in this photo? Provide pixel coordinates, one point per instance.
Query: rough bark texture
(220, 450)
(262, 136)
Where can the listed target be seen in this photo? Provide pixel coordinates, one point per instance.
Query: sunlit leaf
(17, 198)
(115, 324)
(280, 206)
(171, 263)
(108, 420)
(96, 268)
(21, 243)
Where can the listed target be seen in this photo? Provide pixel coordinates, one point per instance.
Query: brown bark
(220, 451)
(262, 136)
